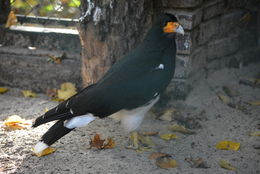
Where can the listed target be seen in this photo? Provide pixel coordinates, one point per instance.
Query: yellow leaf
(256, 133)
(180, 128)
(168, 136)
(66, 90)
(254, 103)
(166, 162)
(146, 141)
(149, 133)
(224, 99)
(12, 20)
(47, 151)
(168, 114)
(29, 93)
(228, 145)
(15, 122)
(3, 90)
(225, 164)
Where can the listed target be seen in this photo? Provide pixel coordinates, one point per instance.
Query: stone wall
(219, 33)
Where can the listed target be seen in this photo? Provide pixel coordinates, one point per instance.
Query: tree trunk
(109, 29)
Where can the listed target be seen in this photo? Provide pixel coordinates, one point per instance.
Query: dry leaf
(46, 151)
(100, 144)
(180, 128)
(12, 20)
(110, 144)
(146, 141)
(168, 136)
(254, 103)
(16, 122)
(224, 99)
(3, 90)
(228, 145)
(225, 164)
(256, 133)
(166, 162)
(29, 93)
(156, 155)
(55, 59)
(66, 91)
(168, 115)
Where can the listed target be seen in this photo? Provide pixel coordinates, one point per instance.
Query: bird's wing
(126, 86)
(130, 83)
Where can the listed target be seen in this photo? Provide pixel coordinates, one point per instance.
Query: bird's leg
(133, 141)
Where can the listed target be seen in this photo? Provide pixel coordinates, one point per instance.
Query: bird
(130, 87)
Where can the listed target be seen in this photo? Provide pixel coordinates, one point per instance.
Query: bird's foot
(133, 141)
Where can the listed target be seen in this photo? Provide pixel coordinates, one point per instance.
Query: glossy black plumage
(133, 81)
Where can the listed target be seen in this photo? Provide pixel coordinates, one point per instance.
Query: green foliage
(50, 8)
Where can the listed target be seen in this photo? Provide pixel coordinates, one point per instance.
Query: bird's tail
(57, 131)
(46, 118)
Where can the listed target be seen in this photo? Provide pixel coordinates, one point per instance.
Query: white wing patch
(79, 121)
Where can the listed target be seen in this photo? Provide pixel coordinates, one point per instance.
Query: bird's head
(171, 25)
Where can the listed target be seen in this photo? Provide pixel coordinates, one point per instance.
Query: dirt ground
(203, 112)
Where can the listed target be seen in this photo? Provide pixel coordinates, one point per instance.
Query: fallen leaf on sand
(66, 90)
(197, 163)
(29, 93)
(180, 128)
(168, 136)
(168, 115)
(100, 144)
(256, 133)
(3, 90)
(224, 99)
(47, 151)
(156, 155)
(225, 164)
(166, 162)
(228, 145)
(55, 59)
(254, 103)
(16, 122)
(146, 141)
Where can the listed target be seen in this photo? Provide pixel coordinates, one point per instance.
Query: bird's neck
(157, 39)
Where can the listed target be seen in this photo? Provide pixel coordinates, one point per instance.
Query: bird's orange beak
(173, 27)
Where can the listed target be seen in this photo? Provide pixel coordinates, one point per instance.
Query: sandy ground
(202, 111)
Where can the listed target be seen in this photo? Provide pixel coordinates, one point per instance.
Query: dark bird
(131, 86)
